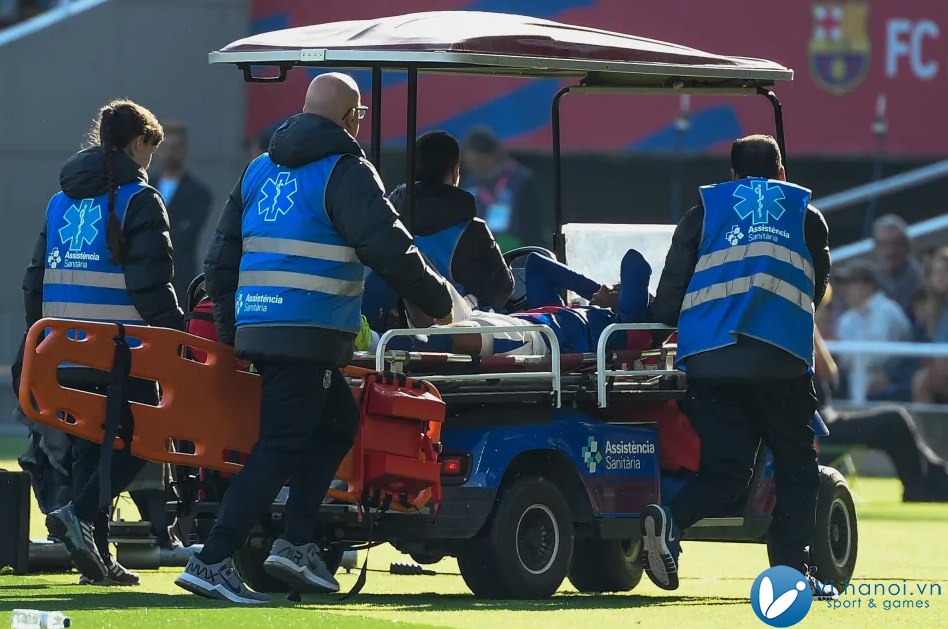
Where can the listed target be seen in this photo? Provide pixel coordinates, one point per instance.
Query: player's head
(756, 156)
(438, 158)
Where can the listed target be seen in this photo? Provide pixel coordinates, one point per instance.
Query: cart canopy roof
(481, 43)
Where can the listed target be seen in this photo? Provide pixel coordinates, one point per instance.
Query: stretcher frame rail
(602, 374)
(553, 374)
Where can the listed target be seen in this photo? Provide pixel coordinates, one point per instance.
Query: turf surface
(900, 546)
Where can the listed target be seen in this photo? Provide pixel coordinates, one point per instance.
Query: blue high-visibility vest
(439, 248)
(80, 281)
(295, 269)
(754, 274)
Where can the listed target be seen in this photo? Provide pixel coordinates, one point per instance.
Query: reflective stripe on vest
(295, 268)
(754, 276)
(439, 248)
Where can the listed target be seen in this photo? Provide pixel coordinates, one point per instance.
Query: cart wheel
(602, 565)
(524, 551)
(249, 563)
(834, 547)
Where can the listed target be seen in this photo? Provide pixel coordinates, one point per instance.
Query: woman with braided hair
(104, 255)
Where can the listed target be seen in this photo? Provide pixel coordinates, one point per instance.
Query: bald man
(285, 274)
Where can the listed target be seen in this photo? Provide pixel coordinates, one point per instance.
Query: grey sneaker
(218, 581)
(79, 538)
(117, 575)
(301, 567)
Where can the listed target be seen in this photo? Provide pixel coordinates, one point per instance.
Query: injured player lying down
(577, 328)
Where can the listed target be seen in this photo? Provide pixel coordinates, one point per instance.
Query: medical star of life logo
(277, 197)
(54, 258)
(735, 235)
(591, 455)
(760, 200)
(80, 228)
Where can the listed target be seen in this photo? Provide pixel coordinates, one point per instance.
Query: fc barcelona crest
(839, 46)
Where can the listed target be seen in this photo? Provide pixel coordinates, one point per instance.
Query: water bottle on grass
(35, 619)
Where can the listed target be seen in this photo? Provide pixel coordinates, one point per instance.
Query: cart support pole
(559, 240)
(778, 122)
(411, 131)
(376, 150)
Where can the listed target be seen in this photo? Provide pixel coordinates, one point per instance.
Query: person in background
(870, 316)
(508, 194)
(443, 220)
(901, 273)
(930, 384)
(108, 219)
(891, 429)
(188, 201)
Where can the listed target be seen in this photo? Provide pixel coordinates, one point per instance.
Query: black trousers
(731, 420)
(923, 473)
(86, 454)
(308, 422)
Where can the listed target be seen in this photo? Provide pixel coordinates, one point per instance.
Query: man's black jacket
(357, 207)
(148, 266)
(477, 263)
(748, 358)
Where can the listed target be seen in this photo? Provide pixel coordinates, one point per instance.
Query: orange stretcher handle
(212, 404)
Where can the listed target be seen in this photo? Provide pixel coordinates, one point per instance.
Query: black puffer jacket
(148, 266)
(358, 209)
(477, 263)
(748, 359)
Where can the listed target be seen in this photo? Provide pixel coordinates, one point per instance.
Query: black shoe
(79, 538)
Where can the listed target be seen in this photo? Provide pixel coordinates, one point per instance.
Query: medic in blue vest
(285, 276)
(104, 255)
(443, 220)
(746, 271)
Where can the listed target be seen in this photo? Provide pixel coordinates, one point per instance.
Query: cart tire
(524, 551)
(836, 542)
(603, 565)
(249, 564)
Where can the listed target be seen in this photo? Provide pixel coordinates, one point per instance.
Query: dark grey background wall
(52, 83)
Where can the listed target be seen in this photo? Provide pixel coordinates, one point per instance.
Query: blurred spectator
(930, 385)
(891, 429)
(508, 194)
(871, 316)
(925, 262)
(188, 202)
(828, 314)
(901, 273)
